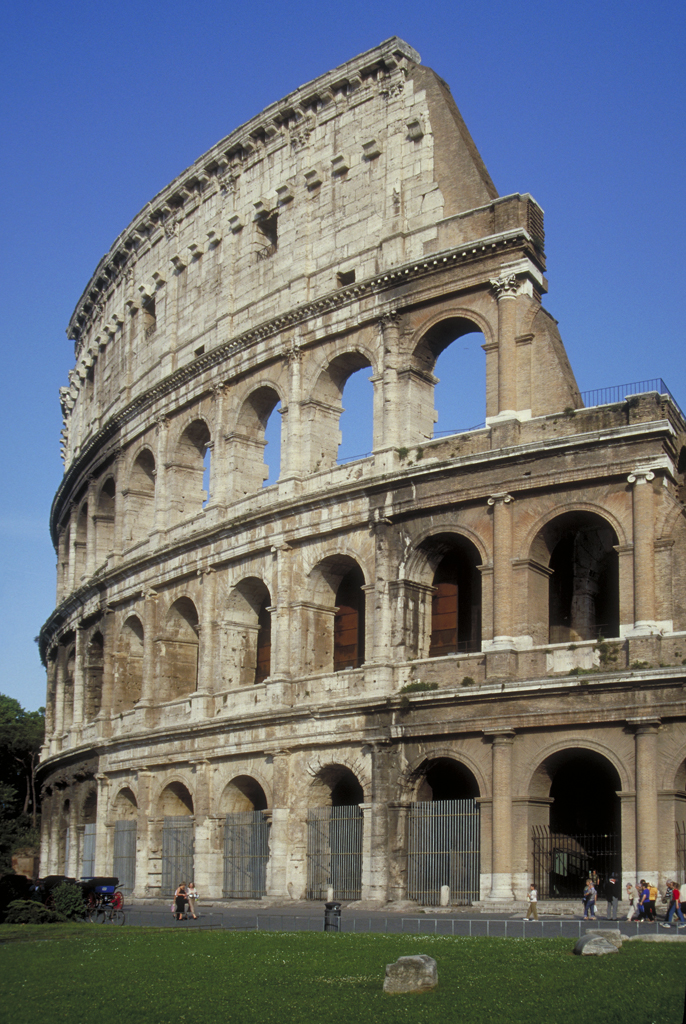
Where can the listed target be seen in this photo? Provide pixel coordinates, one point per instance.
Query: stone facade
(487, 616)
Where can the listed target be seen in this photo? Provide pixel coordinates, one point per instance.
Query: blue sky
(101, 105)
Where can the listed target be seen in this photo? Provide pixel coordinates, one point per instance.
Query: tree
(21, 737)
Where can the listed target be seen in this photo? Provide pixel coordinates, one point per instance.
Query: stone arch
(188, 463)
(175, 800)
(139, 496)
(247, 633)
(89, 806)
(322, 411)
(444, 776)
(124, 806)
(243, 793)
(574, 578)
(336, 615)
(104, 519)
(455, 627)
(247, 443)
(68, 650)
(428, 413)
(93, 671)
(418, 567)
(336, 785)
(412, 778)
(177, 650)
(128, 665)
(80, 543)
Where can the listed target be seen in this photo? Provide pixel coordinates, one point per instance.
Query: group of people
(184, 901)
(642, 900)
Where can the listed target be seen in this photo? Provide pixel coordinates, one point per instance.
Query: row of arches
(208, 457)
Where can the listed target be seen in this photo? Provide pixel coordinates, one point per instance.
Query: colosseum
(437, 672)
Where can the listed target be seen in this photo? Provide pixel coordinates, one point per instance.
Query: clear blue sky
(581, 104)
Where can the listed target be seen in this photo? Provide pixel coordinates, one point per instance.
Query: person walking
(613, 892)
(652, 900)
(642, 905)
(532, 897)
(674, 906)
(192, 897)
(632, 896)
(180, 901)
(590, 894)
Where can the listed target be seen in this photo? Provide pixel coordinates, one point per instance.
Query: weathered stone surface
(417, 973)
(595, 945)
(657, 938)
(611, 934)
(245, 649)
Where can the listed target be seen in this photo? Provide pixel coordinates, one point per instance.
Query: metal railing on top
(620, 392)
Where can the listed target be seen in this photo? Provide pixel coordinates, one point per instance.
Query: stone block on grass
(411, 974)
(595, 945)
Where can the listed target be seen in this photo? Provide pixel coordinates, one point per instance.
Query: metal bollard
(332, 917)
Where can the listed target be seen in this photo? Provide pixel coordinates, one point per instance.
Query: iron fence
(177, 852)
(681, 851)
(562, 863)
(88, 851)
(246, 852)
(444, 849)
(124, 860)
(334, 852)
(620, 392)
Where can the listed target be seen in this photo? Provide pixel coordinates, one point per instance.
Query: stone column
(118, 531)
(71, 868)
(161, 509)
(647, 860)
(206, 682)
(277, 874)
(644, 550)
(144, 779)
(53, 867)
(203, 826)
(501, 837)
(218, 486)
(59, 691)
(103, 859)
(291, 445)
(73, 529)
(389, 326)
(107, 627)
(91, 530)
(502, 569)
(79, 678)
(281, 614)
(505, 288)
(149, 626)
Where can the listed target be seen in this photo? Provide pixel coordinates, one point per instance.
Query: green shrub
(467, 681)
(69, 901)
(418, 687)
(30, 912)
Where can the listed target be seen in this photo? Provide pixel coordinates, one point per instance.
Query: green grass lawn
(88, 974)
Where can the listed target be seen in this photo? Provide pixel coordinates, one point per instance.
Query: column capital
(390, 319)
(499, 735)
(645, 723)
(641, 476)
(500, 498)
(505, 286)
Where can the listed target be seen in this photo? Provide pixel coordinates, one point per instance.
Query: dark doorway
(348, 630)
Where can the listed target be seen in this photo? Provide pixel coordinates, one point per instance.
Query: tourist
(613, 892)
(642, 905)
(180, 901)
(590, 894)
(674, 906)
(632, 896)
(192, 897)
(532, 897)
(652, 900)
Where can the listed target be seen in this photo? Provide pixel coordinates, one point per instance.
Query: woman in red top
(674, 906)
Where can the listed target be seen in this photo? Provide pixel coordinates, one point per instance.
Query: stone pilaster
(277, 877)
(501, 786)
(206, 654)
(502, 570)
(505, 288)
(161, 509)
(644, 551)
(79, 678)
(103, 855)
(647, 833)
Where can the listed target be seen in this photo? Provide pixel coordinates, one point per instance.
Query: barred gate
(562, 863)
(124, 861)
(177, 852)
(681, 850)
(334, 852)
(246, 852)
(444, 849)
(88, 851)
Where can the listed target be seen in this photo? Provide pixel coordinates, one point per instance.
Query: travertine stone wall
(219, 647)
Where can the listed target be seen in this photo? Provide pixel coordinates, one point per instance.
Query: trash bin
(332, 917)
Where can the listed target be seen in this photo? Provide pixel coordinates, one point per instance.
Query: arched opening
(251, 467)
(444, 835)
(246, 839)
(125, 813)
(577, 791)
(89, 814)
(69, 662)
(356, 423)
(80, 544)
(348, 625)
(65, 838)
(247, 636)
(128, 665)
(681, 470)
(334, 616)
(449, 395)
(187, 494)
(323, 422)
(140, 498)
(95, 661)
(178, 651)
(176, 807)
(579, 549)
(456, 600)
(104, 522)
(334, 835)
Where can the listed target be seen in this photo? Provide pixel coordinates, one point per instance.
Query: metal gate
(88, 851)
(246, 852)
(124, 861)
(563, 863)
(334, 852)
(681, 851)
(177, 852)
(443, 849)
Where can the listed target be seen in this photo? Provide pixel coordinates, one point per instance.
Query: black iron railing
(562, 863)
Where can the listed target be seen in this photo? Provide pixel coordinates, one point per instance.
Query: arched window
(187, 495)
(448, 396)
(95, 660)
(356, 423)
(80, 544)
(334, 835)
(246, 839)
(456, 600)
(176, 807)
(348, 629)
(104, 522)
(334, 616)
(322, 415)
(128, 666)
(247, 638)
(179, 662)
(140, 498)
(251, 466)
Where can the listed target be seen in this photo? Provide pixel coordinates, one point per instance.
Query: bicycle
(104, 902)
